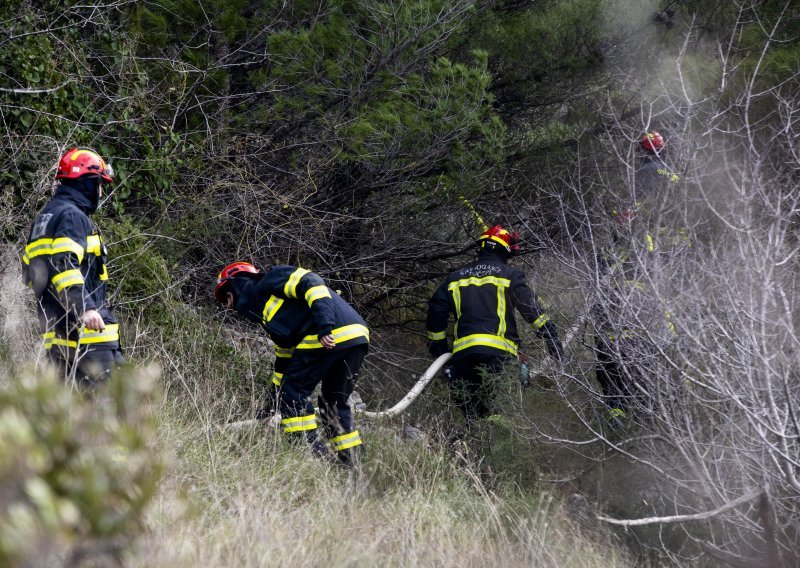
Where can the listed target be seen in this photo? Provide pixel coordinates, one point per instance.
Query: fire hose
(418, 387)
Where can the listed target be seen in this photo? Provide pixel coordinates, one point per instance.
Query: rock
(356, 403)
(415, 435)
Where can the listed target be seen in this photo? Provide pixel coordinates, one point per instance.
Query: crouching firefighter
(319, 338)
(65, 264)
(482, 297)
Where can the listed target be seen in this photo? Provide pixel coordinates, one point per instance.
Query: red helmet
(499, 235)
(652, 141)
(231, 271)
(79, 162)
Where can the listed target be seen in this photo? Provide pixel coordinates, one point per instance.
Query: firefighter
(319, 338)
(652, 173)
(638, 238)
(482, 297)
(64, 263)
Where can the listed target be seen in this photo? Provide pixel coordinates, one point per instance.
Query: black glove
(551, 339)
(438, 348)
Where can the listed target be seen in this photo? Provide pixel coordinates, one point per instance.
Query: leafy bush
(76, 471)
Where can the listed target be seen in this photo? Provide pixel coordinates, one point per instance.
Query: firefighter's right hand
(92, 320)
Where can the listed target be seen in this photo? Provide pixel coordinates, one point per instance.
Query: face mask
(93, 191)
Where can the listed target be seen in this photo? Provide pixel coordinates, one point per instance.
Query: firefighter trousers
(337, 371)
(473, 383)
(88, 369)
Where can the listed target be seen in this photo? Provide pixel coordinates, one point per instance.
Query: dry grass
(249, 499)
(253, 501)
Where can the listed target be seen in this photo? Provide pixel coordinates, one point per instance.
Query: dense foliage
(342, 135)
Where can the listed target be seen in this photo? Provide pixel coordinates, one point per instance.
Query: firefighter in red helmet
(482, 297)
(642, 238)
(319, 339)
(64, 262)
(652, 172)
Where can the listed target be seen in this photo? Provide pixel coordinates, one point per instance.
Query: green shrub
(76, 471)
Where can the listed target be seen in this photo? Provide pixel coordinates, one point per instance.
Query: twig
(683, 518)
(35, 91)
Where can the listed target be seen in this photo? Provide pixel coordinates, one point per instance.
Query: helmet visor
(108, 173)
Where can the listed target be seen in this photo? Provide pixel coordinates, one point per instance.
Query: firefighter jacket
(65, 264)
(482, 297)
(653, 181)
(639, 246)
(296, 309)
(645, 227)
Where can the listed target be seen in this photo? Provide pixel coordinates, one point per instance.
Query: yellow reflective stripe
(670, 325)
(109, 334)
(315, 293)
(540, 321)
(501, 241)
(454, 287)
(616, 412)
(49, 339)
(93, 245)
(475, 281)
(341, 335)
(501, 310)
(437, 335)
(346, 441)
(104, 274)
(277, 378)
(284, 352)
(290, 289)
(60, 245)
(67, 278)
(456, 291)
(485, 340)
(271, 308)
(636, 284)
(299, 423)
(65, 244)
(651, 245)
(37, 247)
(626, 334)
(60, 342)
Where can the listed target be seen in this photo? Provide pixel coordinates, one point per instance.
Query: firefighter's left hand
(328, 342)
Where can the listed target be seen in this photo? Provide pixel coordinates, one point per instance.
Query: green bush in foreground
(76, 472)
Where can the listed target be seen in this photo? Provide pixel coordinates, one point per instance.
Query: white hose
(423, 381)
(415, 391)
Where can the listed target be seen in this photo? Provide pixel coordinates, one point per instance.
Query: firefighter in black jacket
(65, 264)
(640, 234)
(318, 338)
(482, 297)
(652, 173)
